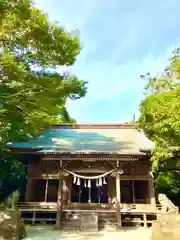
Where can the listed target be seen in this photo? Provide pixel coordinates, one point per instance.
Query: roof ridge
(96, 126)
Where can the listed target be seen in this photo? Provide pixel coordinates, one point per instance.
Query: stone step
(109, 218)
(70, 220)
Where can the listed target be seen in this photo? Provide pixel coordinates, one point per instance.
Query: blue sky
(121, 39)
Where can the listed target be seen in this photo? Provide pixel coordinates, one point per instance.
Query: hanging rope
(91, 177)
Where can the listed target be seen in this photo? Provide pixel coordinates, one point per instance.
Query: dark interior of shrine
(39, 188)
(131, 191)
(93, 194)
(134, 191)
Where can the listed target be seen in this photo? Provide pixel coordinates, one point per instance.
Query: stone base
(89, 222)
(167, 227)
(11, 226)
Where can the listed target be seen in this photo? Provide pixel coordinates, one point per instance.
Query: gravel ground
(45, 233)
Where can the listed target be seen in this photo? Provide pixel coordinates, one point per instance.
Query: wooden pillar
(79, 195)
(118, 198)
(28, 193)
(29, 184)
(60, 197)
(99, 194)
(152, 192)
(34, 218)
(89, 195)
(109, 182)
(145, 220)
(133, 176)
(70, 189)
(133, 194)
(46, 191)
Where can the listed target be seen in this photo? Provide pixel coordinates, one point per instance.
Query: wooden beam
(85, 158)
(88, 170)
(135, 177)
(109, 165)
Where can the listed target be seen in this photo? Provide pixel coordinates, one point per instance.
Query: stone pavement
(47, 233)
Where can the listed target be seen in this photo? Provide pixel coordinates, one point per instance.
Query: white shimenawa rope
(91, 177)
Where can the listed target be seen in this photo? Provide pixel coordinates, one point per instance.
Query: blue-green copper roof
(73, 140)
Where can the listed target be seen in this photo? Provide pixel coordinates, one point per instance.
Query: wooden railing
(167, 203)
(141, 208)
(2, 206)
(43, 212)
(51, 206)
(36, 206)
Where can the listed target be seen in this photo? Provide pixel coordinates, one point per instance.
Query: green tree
(160, 119)
(33, 94)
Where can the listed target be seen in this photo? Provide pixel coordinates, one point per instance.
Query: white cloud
(121, 40)
(126, 78)
(124, 82)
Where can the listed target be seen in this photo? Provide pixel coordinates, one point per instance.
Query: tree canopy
(160, 118)
(33, 93)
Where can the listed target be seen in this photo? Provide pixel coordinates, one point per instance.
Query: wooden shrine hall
(81, 170)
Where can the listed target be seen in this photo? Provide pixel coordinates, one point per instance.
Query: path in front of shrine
(47, 233)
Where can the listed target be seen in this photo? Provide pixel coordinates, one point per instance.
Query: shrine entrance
(94, 193)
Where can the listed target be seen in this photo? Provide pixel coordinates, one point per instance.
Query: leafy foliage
(32, 92)
(160, 119)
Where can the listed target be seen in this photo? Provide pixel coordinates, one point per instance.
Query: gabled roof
(94, 138)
